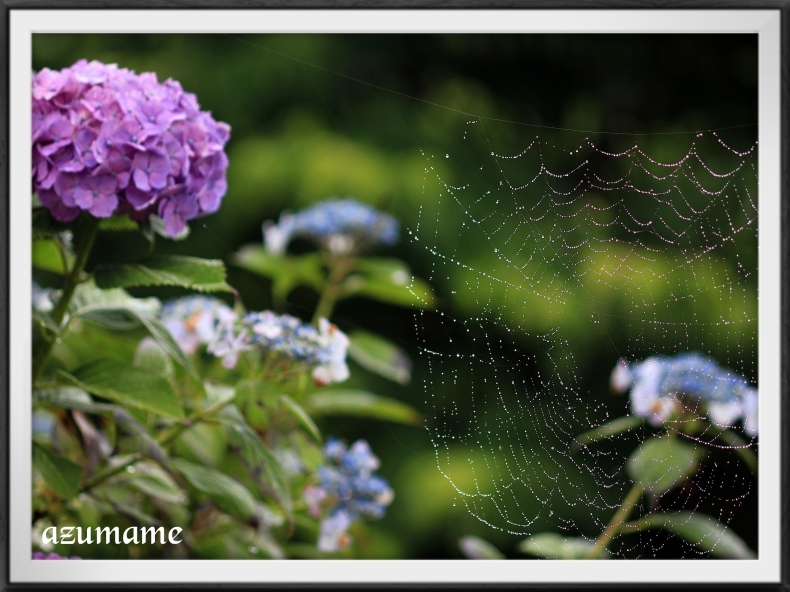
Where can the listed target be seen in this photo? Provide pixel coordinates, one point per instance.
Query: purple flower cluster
(347, 490)
(39, 555)
(662, 386)
(108, 141)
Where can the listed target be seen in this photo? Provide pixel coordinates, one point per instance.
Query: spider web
(555, 255)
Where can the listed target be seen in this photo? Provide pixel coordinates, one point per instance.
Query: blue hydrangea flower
(323, 348)
(659, 384)
(340, 226)
(198, 320)
(346, 491)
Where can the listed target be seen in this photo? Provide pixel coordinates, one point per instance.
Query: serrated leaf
(203, 275)
(660, 464)
(301, 415)
(379, 355)
(228, 494)
(61, 474)
(476, 548)
(704, 532)
(46, 255)
(551, 545)
(127, 385)
(361, 403)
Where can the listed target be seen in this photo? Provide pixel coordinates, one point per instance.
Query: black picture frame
(6, 340)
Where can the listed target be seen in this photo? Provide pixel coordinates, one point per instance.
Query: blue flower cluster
(198, 320)
(340, 226)
(347, 491)
(323, 348)
(659, 385)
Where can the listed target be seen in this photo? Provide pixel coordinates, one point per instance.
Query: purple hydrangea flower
(346, 491)
(108, 141)
(50, 556)
(660, 384)
(339, 225)
(324, 348)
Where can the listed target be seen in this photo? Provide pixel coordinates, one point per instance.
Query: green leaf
(301, 415)
(165, 340)
(62, 475)
(607, 430)
(361, 403)
(127, 385)
(204, 275)
(261, 464)
(69, 397)
(228, 494)
(116, 309)
(380, 356)
(551, 545)
(476, 548)
(118, 224)
(286, 271)
(703, 531)
(660, 464)
(151, 357)
(46, 255)
(153, 481)
(133, 437)
(388, 280)
(256, 401)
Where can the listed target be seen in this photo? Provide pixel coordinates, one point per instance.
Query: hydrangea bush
(194, 413)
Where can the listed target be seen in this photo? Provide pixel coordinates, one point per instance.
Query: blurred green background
(317, 116)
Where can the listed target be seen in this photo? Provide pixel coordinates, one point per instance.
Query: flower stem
(616, 523)
(339, 269)
(70, 282)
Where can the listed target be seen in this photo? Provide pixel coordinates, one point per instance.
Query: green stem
(616, 523)
(69, 284)
(646, 523)
(164, 439)
(339, 269)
